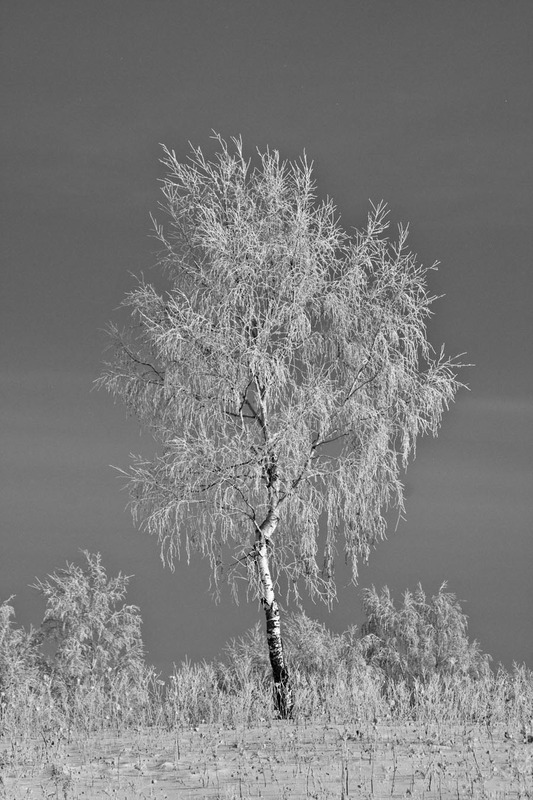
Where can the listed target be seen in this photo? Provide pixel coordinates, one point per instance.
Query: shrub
(95, 642)
(420, 639)
(246, 660)
(316, 651)
(20, 659)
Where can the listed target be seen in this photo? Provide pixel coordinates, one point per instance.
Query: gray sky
(426, 105)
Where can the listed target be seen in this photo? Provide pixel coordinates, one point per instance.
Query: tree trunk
(283, 696)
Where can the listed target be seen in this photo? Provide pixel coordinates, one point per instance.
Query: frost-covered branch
(285, 370)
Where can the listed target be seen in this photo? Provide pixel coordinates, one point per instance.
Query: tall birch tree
(283, 368)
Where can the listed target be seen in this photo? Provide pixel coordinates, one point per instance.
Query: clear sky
(427, 105)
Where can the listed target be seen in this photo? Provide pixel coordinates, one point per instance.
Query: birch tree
(283, 367)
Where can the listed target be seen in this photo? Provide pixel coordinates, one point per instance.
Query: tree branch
(142, 363)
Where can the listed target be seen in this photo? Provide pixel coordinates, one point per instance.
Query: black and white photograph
(266, 399)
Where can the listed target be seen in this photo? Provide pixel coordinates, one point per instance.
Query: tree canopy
(284, 370)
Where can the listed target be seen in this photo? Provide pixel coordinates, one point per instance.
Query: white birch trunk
(283, 697)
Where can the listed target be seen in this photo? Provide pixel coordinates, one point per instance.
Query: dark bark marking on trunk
(283, 696)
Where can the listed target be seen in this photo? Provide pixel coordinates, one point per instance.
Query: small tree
(420, 639)
(95, 639)
(285, 372)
